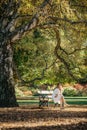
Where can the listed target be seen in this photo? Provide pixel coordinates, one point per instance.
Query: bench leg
(40, 103)
(43, 103)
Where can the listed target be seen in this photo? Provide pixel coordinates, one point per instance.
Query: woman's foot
(62, 107)
(66, 105)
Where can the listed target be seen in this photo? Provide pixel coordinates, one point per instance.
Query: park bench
(44, 97)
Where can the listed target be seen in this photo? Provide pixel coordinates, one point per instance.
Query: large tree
(12, 27)
(20, 16)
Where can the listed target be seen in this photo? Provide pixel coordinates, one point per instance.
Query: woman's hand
(56, 95)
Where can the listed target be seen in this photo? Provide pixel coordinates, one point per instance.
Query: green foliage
(70, 92)
(37, 50)
(31, 57)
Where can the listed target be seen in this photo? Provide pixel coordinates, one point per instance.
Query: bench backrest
(45, 93)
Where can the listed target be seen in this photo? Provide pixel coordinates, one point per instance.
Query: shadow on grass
(30, 114)
(79, 126)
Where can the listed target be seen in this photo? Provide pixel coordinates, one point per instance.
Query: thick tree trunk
(7, 91)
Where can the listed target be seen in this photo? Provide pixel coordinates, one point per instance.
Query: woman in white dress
(58, 97)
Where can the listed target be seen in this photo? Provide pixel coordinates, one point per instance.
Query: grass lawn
(69, 100)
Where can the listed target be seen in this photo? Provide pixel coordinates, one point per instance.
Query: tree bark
(7, 91)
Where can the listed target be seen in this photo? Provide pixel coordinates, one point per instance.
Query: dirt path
(33, 118)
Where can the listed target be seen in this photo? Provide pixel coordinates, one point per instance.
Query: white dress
(57, 96)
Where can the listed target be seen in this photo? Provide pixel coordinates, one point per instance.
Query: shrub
(70, 91)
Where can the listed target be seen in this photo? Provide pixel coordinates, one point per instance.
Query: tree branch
(68, 20)
(19, 31)
(67, 65)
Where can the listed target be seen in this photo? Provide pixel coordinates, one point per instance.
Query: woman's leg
(62, 102)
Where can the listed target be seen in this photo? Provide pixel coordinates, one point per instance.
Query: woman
(58, 97)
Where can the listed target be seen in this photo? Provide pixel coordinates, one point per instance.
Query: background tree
(68, 18)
